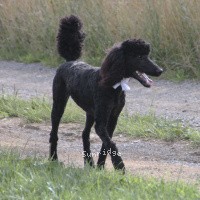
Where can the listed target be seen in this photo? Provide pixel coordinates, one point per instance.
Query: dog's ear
(113, 67)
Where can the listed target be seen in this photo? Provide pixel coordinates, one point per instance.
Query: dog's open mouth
(142, 78)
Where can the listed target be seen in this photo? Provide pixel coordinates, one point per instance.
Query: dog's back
(80, 80)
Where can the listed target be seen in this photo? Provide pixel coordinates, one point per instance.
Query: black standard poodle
(100, 92)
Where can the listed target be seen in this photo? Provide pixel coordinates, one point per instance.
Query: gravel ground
(174, 161)
(169, 100)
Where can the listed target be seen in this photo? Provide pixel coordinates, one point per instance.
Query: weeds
(172, 28)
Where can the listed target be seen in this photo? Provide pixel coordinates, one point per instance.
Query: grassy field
(28, 29)
(33, 178)
(143, 126)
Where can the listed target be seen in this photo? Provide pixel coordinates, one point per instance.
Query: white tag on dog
(123, 83)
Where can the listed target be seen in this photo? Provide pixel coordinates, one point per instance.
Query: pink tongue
(149, 81)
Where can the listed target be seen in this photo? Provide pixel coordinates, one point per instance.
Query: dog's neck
(123, 83)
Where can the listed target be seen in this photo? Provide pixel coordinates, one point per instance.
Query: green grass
(36, 110)
(150, 126)
(172, 27)
(33, 178)
(143, 126)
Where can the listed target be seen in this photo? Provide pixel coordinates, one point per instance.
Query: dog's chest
(119, 99)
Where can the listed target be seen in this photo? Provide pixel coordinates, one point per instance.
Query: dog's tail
(70, 38)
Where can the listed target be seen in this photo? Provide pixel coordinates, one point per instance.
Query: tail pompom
(70, 38)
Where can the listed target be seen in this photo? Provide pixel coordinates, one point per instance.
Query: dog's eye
(140, 57)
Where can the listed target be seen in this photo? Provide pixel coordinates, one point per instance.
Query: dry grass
(28, 29)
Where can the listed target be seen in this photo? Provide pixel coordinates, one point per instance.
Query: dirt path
(150, 158)
(166, 99)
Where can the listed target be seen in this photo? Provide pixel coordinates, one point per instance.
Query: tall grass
(28, 30)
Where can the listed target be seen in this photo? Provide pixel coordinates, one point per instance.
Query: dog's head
(137, 62)
(129, 59)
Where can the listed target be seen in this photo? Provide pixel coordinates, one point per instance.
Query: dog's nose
(159, 71)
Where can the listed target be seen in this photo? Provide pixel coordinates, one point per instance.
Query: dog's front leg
(110, 128)
(110, 147)
(101, 118)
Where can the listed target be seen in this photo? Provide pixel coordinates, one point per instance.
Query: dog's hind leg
(60, 97)
(86, 140)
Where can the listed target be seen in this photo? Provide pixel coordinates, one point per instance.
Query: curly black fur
(136, 47)
(70, 38)
(91, 88)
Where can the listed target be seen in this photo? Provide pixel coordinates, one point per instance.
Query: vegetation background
(28, 30)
